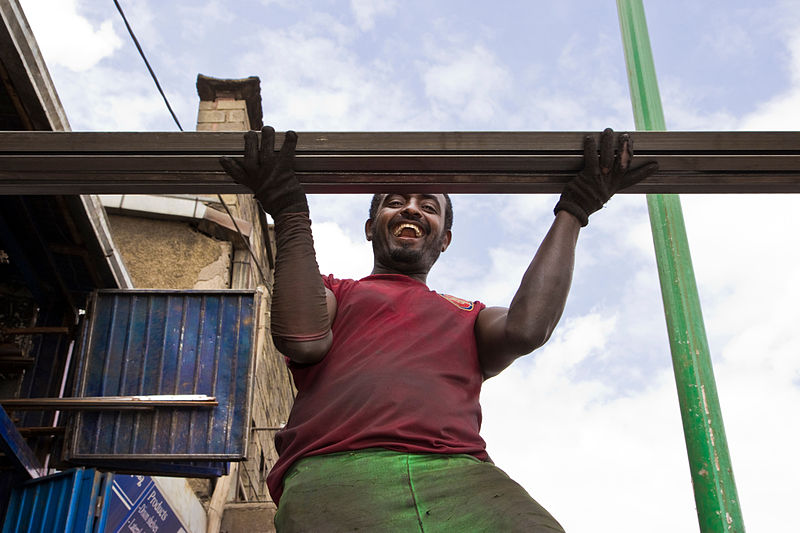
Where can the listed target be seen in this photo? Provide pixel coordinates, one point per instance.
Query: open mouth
(407, 230)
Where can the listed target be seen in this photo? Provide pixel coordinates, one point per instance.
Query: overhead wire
(147, 64)
(177, 122)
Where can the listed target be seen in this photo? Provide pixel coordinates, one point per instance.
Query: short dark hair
(448, 209)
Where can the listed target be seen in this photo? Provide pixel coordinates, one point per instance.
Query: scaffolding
(474, 162)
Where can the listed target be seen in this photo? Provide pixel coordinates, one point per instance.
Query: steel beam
(122, 403)
(365, 162)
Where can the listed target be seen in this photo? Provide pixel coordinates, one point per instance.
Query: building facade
(56, 250)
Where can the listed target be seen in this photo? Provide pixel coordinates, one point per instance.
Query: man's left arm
(504, 334)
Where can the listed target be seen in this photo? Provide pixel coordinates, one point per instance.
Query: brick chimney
(235, 105)
(229, 105)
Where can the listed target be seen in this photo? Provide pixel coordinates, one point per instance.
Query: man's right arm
(302, 308)
(309, 352)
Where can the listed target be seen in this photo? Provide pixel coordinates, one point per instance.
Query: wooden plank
(363, 162)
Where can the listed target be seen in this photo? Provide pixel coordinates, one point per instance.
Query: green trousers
(385, 491)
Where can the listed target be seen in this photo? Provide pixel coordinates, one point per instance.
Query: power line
(244, 239)
(147, 64)
(177, 122)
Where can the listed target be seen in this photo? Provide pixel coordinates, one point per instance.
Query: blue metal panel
(167, 342)
(16, 449)
(61, 502)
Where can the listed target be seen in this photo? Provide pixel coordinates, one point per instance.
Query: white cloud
(100, 87)
(350, 210)
(198, 20)
(468, 83)
(781, 112)
(750, 282)
(109, 99)
(340, 255)
(67, 38)
(567, 421)
(366, 11)
(683, 111)
(523, 211)
(569, 441)
(316, 81)
(686, 101)
(584, 89)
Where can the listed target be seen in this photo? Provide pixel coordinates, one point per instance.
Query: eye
(429, 207)
(394, 203)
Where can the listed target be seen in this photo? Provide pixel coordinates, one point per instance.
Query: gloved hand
(602, 176)
(271, 177)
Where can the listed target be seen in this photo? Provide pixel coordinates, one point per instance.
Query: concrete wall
(165, 254)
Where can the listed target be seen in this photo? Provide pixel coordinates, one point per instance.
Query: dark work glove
(602, 176)
(270, 177)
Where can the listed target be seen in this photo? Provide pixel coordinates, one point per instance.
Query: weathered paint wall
(167, 254)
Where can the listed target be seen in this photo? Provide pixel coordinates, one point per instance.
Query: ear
(368, 229)
(448, 236)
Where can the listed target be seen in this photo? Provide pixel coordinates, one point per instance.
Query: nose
(412, 210)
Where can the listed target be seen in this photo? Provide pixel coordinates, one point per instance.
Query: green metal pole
(712, 475)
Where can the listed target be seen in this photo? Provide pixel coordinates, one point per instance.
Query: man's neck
(419, 276)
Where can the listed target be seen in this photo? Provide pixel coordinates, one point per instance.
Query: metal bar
(35, 330)
(715, 492)
(92, 403)
(311, 143)
(40, 430)
(458, 162)
(17, 362)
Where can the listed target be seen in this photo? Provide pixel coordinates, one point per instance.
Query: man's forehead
(439, 198)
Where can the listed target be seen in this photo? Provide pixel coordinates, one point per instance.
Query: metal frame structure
(464, 162)
(363, 162)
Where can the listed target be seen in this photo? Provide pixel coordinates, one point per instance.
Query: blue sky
(589, 424)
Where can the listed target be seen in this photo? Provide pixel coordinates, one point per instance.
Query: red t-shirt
(402, 374)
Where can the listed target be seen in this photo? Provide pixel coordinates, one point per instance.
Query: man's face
(408, 232)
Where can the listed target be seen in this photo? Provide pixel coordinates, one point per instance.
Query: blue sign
(125, 492)
(138, 506)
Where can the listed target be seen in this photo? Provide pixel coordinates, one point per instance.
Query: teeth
(399, 229)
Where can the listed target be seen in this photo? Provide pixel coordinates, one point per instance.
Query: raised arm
(503, 334)
(302, 308)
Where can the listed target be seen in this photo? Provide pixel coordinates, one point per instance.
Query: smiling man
(384, 432)
(408, 232)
